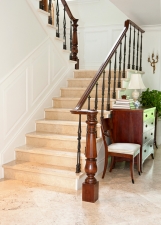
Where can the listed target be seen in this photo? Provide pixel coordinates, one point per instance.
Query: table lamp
(136, 83)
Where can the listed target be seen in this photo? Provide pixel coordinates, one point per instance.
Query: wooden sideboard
(135, 126)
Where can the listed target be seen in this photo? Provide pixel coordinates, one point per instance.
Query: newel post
(90, 188)
(75, 44)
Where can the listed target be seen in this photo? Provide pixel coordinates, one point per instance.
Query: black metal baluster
(64, 32)
(49, 10)
(123, 72)
(108, 91)
(41, 5)
(128, 66)
(96, 97)
(57, 19)
(114, 83)
(89, 107)
(70, 57)
(137, 55)
(133, 61)
(78, 166)
(120, 58)
(141, 54)
(103, 93)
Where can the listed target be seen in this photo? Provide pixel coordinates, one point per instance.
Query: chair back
(106, 128)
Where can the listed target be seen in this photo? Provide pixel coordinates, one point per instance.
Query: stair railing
(91, 186)
(73, 38)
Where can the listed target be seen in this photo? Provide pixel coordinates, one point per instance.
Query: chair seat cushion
(125, 148)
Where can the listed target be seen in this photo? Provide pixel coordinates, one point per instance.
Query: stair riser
(40, 178)
(49, 159)
(65, 116)
(91, 74)
(59, 103)
(55, 144)
(62, 129)
(78, 93)
(84, 83)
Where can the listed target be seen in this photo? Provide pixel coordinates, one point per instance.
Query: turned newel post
(75, 43)
(90, 187)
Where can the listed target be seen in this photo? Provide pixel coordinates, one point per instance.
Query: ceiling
(142, 12)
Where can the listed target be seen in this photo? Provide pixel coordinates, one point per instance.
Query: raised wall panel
(14, 102)
(57, 64)
(40, 74)
(95, 46)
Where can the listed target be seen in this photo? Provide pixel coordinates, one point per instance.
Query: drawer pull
(144, 150)
(151, 113)
(145, 137)
(146, 125)
(150, 145)
(146, 115)
(152, 123)
(151, 133)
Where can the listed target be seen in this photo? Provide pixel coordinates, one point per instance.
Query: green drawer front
(145, 152)
(149, 113)
(148, 135)
(148, 124)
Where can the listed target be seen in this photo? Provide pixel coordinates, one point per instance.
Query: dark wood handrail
(68, 10)
(103, 66)
(74, 49)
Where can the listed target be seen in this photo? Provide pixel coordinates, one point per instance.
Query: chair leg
(138, 163)
(112, 163)
(105, 164)
(132, 169)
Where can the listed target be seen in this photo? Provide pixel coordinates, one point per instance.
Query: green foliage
(152, 99)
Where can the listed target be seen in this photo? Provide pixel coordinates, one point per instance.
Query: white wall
(20, 34)
(33, 68)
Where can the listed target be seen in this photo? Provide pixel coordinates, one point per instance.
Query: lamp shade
(136, 82)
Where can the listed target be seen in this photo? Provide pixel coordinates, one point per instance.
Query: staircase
(50, 154)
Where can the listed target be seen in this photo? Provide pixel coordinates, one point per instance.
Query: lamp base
(135, 95)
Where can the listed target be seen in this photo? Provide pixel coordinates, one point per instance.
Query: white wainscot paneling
(14, 102)
(40, 74)
(57, 64)
(95, 46)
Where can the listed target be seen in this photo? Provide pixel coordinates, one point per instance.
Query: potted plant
(152, 99)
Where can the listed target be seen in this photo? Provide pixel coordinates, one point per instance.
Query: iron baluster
(128, 66)
(133, 66)
(141, 54)
(96, 97)
(103, 93)
(120, 58)
(57, 19)
(123, 72)
(89, 97)
(41, 5)
(70, 57)
(78, 166)
(137, 55)
(49, 10)
(64, 32)
(114, 84)
(108, 91)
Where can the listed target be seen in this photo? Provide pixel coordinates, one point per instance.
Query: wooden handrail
(103, 66)
(75, 37)
(68, 10)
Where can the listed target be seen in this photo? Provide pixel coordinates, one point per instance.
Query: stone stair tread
(61, 122)
(82, 79)
(53, 136)
(72, 98)
(81, 88)
(46, 151)
(42, 168)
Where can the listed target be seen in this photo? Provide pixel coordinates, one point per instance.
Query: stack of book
(124, 104)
